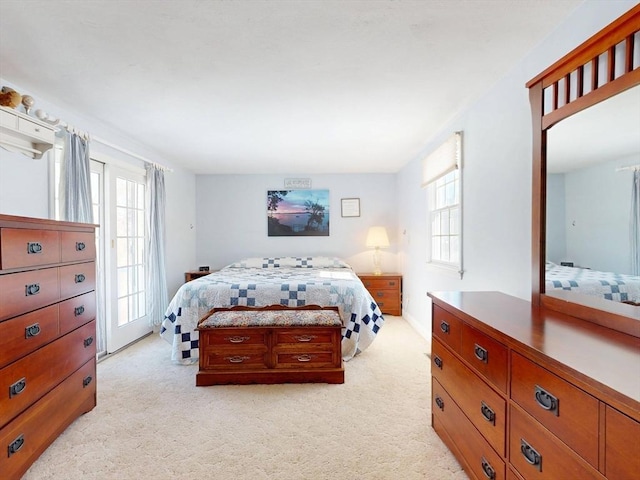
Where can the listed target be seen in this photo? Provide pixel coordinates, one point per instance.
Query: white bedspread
(291, 281)
(608, 285)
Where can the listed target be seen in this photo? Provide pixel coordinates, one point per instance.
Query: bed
(608, 285)
(291, 281)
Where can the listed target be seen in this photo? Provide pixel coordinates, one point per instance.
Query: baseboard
(419, 327)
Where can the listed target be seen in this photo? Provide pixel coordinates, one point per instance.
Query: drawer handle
(34, 247)
(237, 359)
(237, 339)
(546, 400)
(80, 278)
(439, 403)
(80, 246)
(88, 341)
(530, 455)
(32, 330)
(304, 358)
(78, 311)
(438, 361)
(444, 326)
(481, 353)
(304, 338)
(16, 445)
(32, 289)
(392, 283)
(18, 387)
(488, 470)
(379, 294)
(488, 414)
(86, 381)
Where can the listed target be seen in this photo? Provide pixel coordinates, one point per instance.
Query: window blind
(442, 160)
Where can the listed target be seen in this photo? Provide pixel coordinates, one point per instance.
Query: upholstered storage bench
(273, 344)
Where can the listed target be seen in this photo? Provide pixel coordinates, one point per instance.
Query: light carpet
(152, 422)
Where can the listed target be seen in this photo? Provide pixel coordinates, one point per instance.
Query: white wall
(597, 226)
(232, 219)
(556, 232)
(24, 183)
(24, 187)
(496, 180)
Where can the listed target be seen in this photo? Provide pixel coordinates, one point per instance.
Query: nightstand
(193, 274)
(386, 290)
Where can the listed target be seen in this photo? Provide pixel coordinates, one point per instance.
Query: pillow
(290, 262)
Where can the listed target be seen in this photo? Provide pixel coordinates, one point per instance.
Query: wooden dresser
(47, 334)
(520, 392)
(386, 290)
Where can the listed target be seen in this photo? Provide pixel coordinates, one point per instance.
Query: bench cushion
(269, 318)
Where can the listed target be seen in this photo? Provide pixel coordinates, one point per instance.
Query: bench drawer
(232, 337)
(322, 359)
(305, 336)
(234, 358)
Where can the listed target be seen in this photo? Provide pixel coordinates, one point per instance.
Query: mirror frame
(565, 81)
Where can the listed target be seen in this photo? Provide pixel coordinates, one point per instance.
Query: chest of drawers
(525, 393)
(47, 334)
(273, 344)
(386, 290)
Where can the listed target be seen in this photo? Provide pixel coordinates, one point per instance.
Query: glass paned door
(128, 296)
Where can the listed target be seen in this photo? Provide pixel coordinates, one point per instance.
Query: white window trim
(451, 148)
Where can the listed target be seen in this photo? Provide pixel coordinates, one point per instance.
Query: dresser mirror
(590, 160)
(585, 128)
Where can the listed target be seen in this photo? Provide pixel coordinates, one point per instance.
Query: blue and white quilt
(608, 285)
(291, 281)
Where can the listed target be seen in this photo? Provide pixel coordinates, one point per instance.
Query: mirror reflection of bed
(591, 157)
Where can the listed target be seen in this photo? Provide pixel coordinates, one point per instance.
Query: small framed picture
(350, 207)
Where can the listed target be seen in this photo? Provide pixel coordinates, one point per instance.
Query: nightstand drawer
(386, 291)
(379, 283)
(386, 300)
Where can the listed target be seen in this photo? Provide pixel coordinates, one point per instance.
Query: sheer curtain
(635, 223)
(75, 180)
(157, 299)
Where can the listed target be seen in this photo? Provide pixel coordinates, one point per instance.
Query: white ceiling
(607, 131)
(279, 86)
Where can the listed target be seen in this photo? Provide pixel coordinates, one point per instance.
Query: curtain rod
(630, 167)
(45, 117)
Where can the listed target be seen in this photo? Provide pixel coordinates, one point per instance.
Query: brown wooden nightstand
(193, 274)
(386, 290)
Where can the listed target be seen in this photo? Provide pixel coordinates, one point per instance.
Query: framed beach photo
(298, 213)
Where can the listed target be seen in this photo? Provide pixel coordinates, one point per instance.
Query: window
(442, 177)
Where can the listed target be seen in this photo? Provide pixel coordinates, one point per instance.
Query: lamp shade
(377, 237)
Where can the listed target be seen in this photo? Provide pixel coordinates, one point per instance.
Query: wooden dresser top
(602, 361)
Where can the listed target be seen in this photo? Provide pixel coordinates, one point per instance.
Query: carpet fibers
(152, 422)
